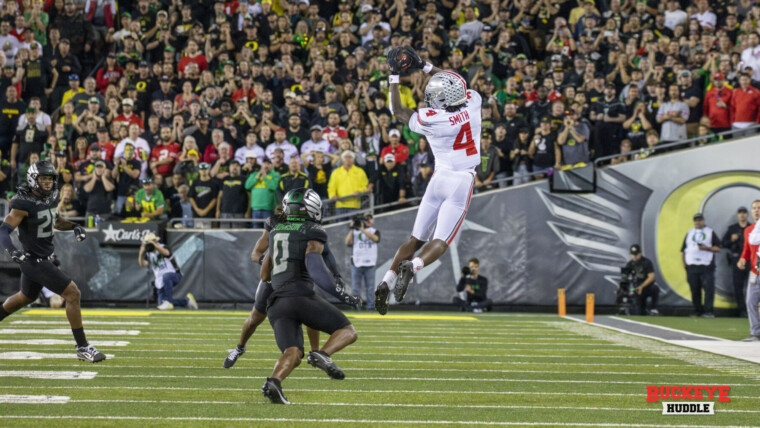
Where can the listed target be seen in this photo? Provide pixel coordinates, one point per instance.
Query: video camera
(359, 221)
(626, 292)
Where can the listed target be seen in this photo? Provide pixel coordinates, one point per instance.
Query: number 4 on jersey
(464, 140)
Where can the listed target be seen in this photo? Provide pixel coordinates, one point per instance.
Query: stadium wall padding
(530, 242)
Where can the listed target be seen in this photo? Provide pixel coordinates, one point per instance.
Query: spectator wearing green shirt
(263, 188)
(150, 201)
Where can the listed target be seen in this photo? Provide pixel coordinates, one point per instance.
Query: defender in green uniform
(33, 211)
(296, 247)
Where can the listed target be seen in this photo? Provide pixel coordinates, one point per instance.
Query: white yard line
(404, 379)
(33, 399)
(86, 323)
(669, 329)
(352, 391)
(393, 405)
(365, 421)
(67, 331)
(26, 355)
(48, 342)
(39, 374)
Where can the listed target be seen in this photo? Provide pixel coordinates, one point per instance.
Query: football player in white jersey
(451, 123)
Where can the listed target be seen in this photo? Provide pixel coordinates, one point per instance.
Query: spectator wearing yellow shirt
(74, 89)
(347, 180)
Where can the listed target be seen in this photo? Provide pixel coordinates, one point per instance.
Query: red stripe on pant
(461, 220)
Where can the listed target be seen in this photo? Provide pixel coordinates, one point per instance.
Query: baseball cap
(93, 100)
(558, 70)
(316, 128)
(204, 165)
(685, 73)
(250, 154)
(127, 102)
(146, 180)
(165, 78)
(698, 216)
(635, 249)
(556, 57)
(100, 163)
(719, 76)
(144, 64)
(94, 146)
(742, 210)
(192, 153)
(290, 94)
(393, 132)
(521, 56)
(280, 129)
(546, 119)
(389, 157)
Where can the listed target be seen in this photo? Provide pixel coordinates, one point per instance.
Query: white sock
(417, 264)
(389, 277)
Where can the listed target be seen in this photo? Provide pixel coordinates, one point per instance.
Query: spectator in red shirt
(107, 146)
(109, 73)
(717, 105)
(164, 156)
(396, 148)
(745, 104)
(333, 132)
(127, 117)
(246, 92)
(192, 54)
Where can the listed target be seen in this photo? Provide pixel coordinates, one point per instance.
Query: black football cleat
(233, 357)
(323, 362)
(381, 298)
(405, 275)
(273, 391)
(90, 354)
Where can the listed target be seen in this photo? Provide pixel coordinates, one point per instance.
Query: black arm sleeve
(317, 271)
(330, 261)
(5, 237)
(462, 283)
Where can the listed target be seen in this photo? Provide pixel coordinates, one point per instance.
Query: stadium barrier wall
(530, 242)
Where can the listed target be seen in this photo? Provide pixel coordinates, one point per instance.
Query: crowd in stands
(214, 109)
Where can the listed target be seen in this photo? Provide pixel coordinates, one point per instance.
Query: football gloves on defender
(20, 256)
(354, 301)
(79, 233)
(404, 59)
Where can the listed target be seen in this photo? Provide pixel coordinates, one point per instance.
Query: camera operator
(363, 237)
(475, 289)
(155, 255)
(639, 273)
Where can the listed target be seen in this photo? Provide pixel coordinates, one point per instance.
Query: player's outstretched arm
(403, 114)
(63, 224)
(257, 255)
(318, 272)
(12, 220)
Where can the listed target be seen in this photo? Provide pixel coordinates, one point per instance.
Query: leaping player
(451, 124)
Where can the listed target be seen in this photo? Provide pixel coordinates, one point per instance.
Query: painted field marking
(67, 331)
(25, 355)
(668, 329)
(352, 391)
(89, 312)
(39, 374)
(427, 379)
(34, 399)
(444, 406)
(412, 317)
(25, 322)
(366, 421)
(62, 342)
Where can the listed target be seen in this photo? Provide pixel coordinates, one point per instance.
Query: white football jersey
(453, 137)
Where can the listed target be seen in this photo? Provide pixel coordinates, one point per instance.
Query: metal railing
(691, 142)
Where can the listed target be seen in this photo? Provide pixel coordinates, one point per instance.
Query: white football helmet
(445, 89)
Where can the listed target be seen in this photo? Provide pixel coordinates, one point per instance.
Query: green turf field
(726, 328)
(487, 369)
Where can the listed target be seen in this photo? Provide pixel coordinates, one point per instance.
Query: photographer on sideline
(641, 271)
(363, 237)
(154, 255)
(475, 288)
